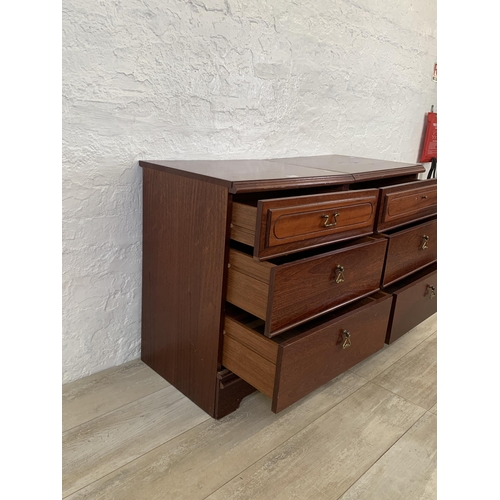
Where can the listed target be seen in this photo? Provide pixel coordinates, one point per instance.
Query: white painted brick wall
(171, 79)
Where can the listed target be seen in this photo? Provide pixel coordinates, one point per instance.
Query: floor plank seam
(399, 396)
(406, 354)
(365, 381)
(114, 409)
(136, 458)
(395, 361)
(414, 347)
(286, 440)
(381, 456)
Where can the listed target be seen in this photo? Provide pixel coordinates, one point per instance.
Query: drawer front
(405, 203)
(287, 225)
(293, 365)
(410, 250)
(306, 288)
(313, 358)
(412, 304)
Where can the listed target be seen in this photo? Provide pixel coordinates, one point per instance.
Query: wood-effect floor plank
(413, 376)
(200, 461)
(434, 409)
(324, 459)
(407, 471)
(98, 394)
(98, 447)
(383, 359)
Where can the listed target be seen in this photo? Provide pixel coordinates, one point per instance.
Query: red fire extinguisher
(429, 149)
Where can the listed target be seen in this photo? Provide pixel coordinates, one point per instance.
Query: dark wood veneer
(307, 288)
(243, 176)
(191, 268)
(413, 303)
(292, 365)
(184, 235)
(406, 252)
(289, 225)
(316, 356)
(231, 389)
(404, 203)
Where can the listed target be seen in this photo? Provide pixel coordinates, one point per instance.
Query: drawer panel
(287, 292)
(410, 250)
(293, 365)
(406, 203)
(286, 225)
(413, 302)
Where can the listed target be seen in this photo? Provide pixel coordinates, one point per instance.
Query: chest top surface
(282, 173)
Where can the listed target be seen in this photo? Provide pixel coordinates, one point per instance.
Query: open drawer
(404, 203)
(288, 291)
(296, 363)
(285, 225)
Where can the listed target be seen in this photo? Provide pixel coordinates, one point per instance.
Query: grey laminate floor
(368, 434)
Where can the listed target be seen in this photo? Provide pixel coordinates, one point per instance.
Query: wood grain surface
(404, 203)
(184, 241)
(197, 462)
(413, 303)
(248, 336)
(230, 391)
(405, 252)
(306, 288)
(91, 397)
(387, 479)
(241, 176)
(247, 292)
(106, 443)
(361, 169)
(414, 375)
(386, 357)
(249, 365)
(243, 223)
(323, 460)
(191, 460)
(287, 225)
(308, 360)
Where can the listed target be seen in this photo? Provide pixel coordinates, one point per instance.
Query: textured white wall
(171, 79)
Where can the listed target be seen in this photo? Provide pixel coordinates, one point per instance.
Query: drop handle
(424, 244)
(327, 218)
(431, 290)
(339, 271)
(347, 339)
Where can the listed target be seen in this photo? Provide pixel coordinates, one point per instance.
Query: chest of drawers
(278, 275)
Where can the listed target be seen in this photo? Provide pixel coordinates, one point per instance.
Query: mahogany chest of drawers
(278, 275)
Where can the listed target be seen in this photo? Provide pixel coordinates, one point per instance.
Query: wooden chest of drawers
(278, 275)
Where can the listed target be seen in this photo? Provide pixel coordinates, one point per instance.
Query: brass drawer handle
(326, 223)
(425, 242)
(340, 274)
(347, 339)
(424, 197)
(431, 290)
